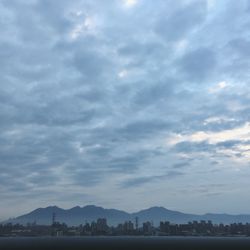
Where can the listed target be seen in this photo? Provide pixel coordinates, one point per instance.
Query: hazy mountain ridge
(79, 215)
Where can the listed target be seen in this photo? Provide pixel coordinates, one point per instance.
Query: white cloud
(218, 120)
(211, 4)
(79, 13)
(181, 46)
(123, 73)
(130, 3)
(240, 133)
(218, 87)
(87, 26)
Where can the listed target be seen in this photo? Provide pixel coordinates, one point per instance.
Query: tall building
(147, 228)
(136, 223)
(101, 225)
(128, 227)
(53, 218)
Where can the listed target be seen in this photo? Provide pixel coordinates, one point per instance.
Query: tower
(53, 218)
(136, 223)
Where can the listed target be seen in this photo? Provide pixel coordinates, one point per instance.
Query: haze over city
(125, 104)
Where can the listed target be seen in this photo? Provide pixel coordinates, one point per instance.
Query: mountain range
(79, 215)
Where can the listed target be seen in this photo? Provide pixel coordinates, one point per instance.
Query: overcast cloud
(125, 104)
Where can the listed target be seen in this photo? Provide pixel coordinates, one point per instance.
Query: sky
(125, 104)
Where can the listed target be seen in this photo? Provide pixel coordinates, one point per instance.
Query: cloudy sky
(125, 104)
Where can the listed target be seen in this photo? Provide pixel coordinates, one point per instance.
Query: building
(147, 228)
(101, 226)
(128, 227)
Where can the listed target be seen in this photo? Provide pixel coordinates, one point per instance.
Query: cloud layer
(109, 103)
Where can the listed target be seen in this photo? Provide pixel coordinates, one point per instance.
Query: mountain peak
(158, 208)
(77, 215)
(155, 209)
(75, 208)
(52, 207)
(92, 207)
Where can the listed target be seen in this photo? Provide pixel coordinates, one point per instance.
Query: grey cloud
(54, 14)
(102, 151)
(87, 178)
(240, 46)
(178, 24)
(139, 54)
(214, 162)
(238, 50)
(153, 94)
(229, 143)
(51, 14)
(204, 146)
(224, 125)
(90, 64)
(135, 182)
(142, 129)
(126, 164)
(189, 147)
(181, 164)
(198, 64)
(140, 49)
(43, 179)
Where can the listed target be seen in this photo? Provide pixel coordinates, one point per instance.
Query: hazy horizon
(129, 212)
(125, 104)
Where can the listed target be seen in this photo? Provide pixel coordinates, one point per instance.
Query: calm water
(117, 243)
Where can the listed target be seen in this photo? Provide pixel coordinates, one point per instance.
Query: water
(122, 243)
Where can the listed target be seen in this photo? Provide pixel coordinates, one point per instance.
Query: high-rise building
(136, 223)
(147, 228)
(53, 218)
(101, 225)
(128, 227)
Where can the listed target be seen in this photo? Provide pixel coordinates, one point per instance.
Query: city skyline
(125, 103)
(100, 227)
(72, 216)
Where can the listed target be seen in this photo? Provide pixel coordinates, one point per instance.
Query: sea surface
(122, 243)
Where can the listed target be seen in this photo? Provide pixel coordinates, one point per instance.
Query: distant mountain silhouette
(157, 214)
(73, 216)
(79, 215)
